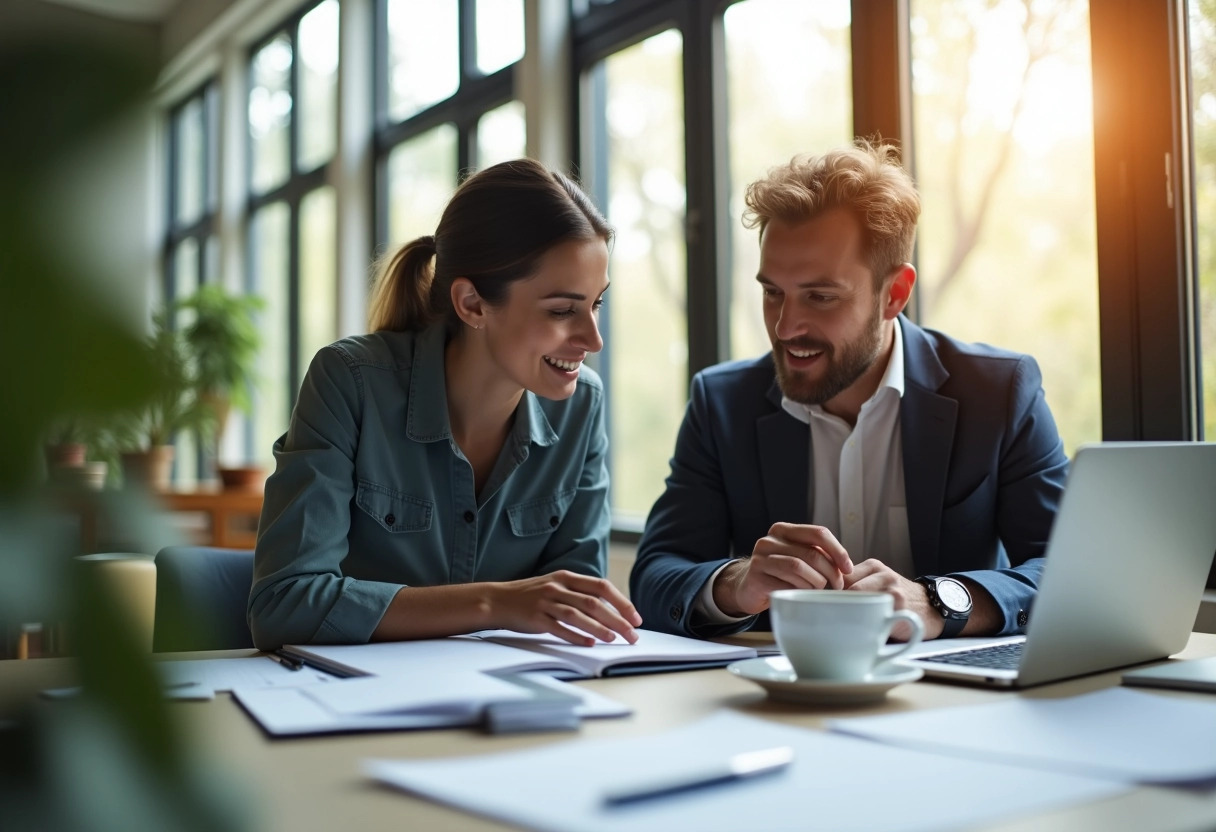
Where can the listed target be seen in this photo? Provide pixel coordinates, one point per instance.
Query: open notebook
(504, 650)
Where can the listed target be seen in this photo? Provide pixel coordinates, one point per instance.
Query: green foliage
(222, 338)
(111, 758)
(177, 405)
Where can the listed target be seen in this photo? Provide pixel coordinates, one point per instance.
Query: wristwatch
(949, 597)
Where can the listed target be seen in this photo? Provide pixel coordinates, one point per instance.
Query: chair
(201, 598)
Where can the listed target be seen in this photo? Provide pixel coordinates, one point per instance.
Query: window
(190, 256)
(1003, 146)
(638, 143)
(292, 222)
(445, 105)
(1203, 119)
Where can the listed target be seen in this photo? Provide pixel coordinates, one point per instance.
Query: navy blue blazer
(984, 469)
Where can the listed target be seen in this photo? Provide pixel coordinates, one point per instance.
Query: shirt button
(553, 521)
(852, 517)
(676, 612)
(469, 517)
(1023, 617)
(389, 519)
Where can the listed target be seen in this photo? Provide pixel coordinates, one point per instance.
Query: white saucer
(774, 674)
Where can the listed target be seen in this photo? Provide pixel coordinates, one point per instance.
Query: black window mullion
(1142, 205)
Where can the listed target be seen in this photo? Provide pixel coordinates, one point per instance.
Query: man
(864, 452)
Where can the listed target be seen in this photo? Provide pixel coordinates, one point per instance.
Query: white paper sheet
(381, 703)
(184, 679)
(830, 786)
(1117, 733)
(285, 712)
(424, 690)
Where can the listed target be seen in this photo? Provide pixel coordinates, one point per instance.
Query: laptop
(1125, 569)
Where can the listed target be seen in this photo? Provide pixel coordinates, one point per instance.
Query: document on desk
(830, 784)
(428, 698)
(201, 678)
(1117, 734)
(493, 650)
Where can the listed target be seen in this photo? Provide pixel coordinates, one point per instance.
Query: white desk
(315, 784)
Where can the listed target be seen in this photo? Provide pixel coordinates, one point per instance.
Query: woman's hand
(575, 608)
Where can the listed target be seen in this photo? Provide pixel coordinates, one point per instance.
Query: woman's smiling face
(550, 321)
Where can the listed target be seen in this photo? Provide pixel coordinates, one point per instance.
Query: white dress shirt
(857, 478)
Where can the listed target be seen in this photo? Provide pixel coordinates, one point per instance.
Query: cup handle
(918, 631)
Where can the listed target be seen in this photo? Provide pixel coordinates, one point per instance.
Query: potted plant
(176, 406)
(222, 338)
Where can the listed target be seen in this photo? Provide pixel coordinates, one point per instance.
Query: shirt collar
(427, 418)
(892, 377)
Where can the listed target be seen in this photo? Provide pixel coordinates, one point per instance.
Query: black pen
(288, 661)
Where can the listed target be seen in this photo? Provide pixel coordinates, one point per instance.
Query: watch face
(954, 595)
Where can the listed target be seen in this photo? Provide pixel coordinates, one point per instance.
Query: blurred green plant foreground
(109, 758)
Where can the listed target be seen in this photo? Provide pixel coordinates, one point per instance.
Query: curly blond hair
(865, 178)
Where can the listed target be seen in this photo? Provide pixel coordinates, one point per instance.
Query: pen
(738, 767)
(289, 662)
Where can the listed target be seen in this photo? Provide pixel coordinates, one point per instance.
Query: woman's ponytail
(401, 296)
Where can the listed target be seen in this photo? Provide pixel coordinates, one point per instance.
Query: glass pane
(1002, 98)
(191, 164)
(270, 113)
(647, 321)
(185, 282)
(423, 55)
(185, 268)
(500, 33)
(1203, 94)
(318, 85)
(501, 134)
(803, 50)
(268, 242)
(318, 274)
(421, 179)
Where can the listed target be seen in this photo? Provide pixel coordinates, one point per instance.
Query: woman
(447, 473)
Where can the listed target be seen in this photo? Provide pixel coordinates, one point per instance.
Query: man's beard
(855, 358)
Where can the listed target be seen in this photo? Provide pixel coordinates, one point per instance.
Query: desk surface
(315, 784)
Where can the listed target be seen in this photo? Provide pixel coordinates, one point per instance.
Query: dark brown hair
(494, 231)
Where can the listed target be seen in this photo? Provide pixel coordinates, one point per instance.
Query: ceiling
(144, 11)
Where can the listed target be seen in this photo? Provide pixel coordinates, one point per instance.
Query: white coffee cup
(838, 635)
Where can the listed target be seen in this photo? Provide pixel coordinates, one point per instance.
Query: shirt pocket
(393, 510)
(539, 516)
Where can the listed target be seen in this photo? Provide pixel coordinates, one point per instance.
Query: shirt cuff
(705, 608)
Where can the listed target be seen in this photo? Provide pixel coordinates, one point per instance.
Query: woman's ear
(467, 303)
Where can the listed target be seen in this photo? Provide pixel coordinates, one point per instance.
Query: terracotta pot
(65, 455)
(148, 469)
(242, 479)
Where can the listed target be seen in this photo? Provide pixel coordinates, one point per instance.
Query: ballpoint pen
(738, 767)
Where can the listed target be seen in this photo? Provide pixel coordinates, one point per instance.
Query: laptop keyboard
(998, 656)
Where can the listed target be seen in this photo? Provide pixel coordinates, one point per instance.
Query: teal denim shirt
(371, 493)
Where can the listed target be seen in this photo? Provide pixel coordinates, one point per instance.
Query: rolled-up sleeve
(299, 593)
(580, 543)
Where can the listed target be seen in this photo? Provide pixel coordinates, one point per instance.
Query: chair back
(202, 594)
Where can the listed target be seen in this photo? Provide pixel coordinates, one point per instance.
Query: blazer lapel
(927, 423)
(784, 445)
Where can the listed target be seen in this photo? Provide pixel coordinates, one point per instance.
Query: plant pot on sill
(149, 469)
(246, 478)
